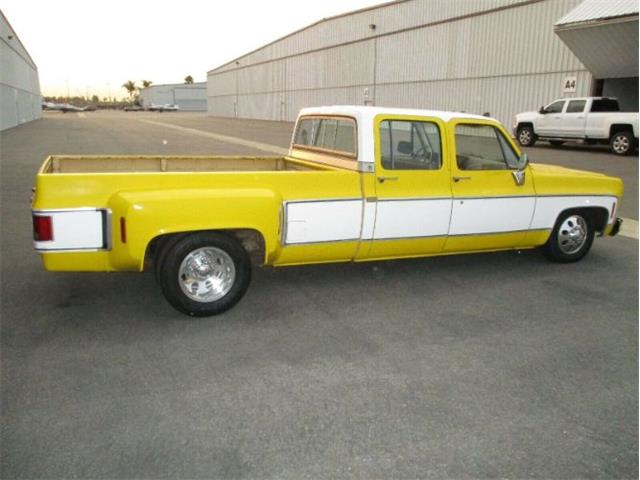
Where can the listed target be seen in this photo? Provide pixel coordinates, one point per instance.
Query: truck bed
(59, 164)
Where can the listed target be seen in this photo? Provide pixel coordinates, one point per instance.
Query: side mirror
(542, 111)
(523, 161)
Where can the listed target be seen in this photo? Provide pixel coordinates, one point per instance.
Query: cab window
(335, 134)
(410, 145)
(605, 105)
(555, 107)
(576, 106)
(483, 147)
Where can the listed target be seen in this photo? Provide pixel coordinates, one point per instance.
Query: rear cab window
(605, 105)
(333, 135)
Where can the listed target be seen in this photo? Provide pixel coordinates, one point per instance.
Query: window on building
(483, 147)
(408, 145)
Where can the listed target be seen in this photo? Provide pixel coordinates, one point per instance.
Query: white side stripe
(323, 221)
(548, 208)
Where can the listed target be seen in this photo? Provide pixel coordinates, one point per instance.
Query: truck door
(574, 119)
(412, 187)
(490, 209)
(550, 122)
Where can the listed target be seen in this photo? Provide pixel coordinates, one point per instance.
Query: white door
(574, 119)
(549, 123)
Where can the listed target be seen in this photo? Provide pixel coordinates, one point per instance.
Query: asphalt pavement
(489, 365)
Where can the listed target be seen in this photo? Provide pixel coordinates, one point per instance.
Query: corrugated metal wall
(494, 56)
(188, 97)
(20, 99)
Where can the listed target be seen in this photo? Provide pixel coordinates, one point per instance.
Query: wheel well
(620, 127)
(598, 215)
(252, 241)
(525, 124)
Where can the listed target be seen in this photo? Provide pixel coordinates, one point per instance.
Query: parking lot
(487, 365)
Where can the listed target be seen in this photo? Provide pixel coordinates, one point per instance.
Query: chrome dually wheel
(572, 234)
(206, 274)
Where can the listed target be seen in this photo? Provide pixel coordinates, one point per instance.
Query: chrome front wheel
(572, 234)
(571, 238)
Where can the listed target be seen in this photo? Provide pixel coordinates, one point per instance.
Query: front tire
(526, 136)
(622, 143)
(205, 274)
(571, 238)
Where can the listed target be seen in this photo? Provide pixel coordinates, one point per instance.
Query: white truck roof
(365, 115)
(363, 112)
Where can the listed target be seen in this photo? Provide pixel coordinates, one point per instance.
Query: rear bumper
(616, 227)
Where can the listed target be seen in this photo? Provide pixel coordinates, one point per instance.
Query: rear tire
(622, 143)
(205, 273)
(526, 136)
(571, 238)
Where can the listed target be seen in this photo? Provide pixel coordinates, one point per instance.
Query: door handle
(384, 179)
(579, 118)
(457, 179)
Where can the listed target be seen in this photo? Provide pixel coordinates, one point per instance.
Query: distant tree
(146, 83)
(188, 79)
(130, 87)
(95, 99)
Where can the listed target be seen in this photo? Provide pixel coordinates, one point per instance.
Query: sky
(93, 47)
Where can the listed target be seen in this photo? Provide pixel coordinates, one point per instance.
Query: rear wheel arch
(620, 127)
(251, 239)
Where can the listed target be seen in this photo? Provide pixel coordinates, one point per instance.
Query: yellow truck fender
(139, 217)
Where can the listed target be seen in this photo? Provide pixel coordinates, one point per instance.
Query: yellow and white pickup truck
(359, 184)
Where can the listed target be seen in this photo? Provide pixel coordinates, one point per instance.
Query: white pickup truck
(589, 119)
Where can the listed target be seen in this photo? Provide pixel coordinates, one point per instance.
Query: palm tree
(130, 87)
(188, 79)
(146, 83)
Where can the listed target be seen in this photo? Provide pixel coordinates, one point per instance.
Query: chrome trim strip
(69, 250)
(366, 167)
(78, 209)
(363, 240)
(357, 199)
(107, 232)
(494, 197)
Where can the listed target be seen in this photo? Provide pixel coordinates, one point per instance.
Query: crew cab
(589, 119)
(358, 184)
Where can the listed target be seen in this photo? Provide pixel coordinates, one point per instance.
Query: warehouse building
(191, 97)
(20, 99)
(495, 56)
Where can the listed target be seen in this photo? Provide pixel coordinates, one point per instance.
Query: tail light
(42, 228)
